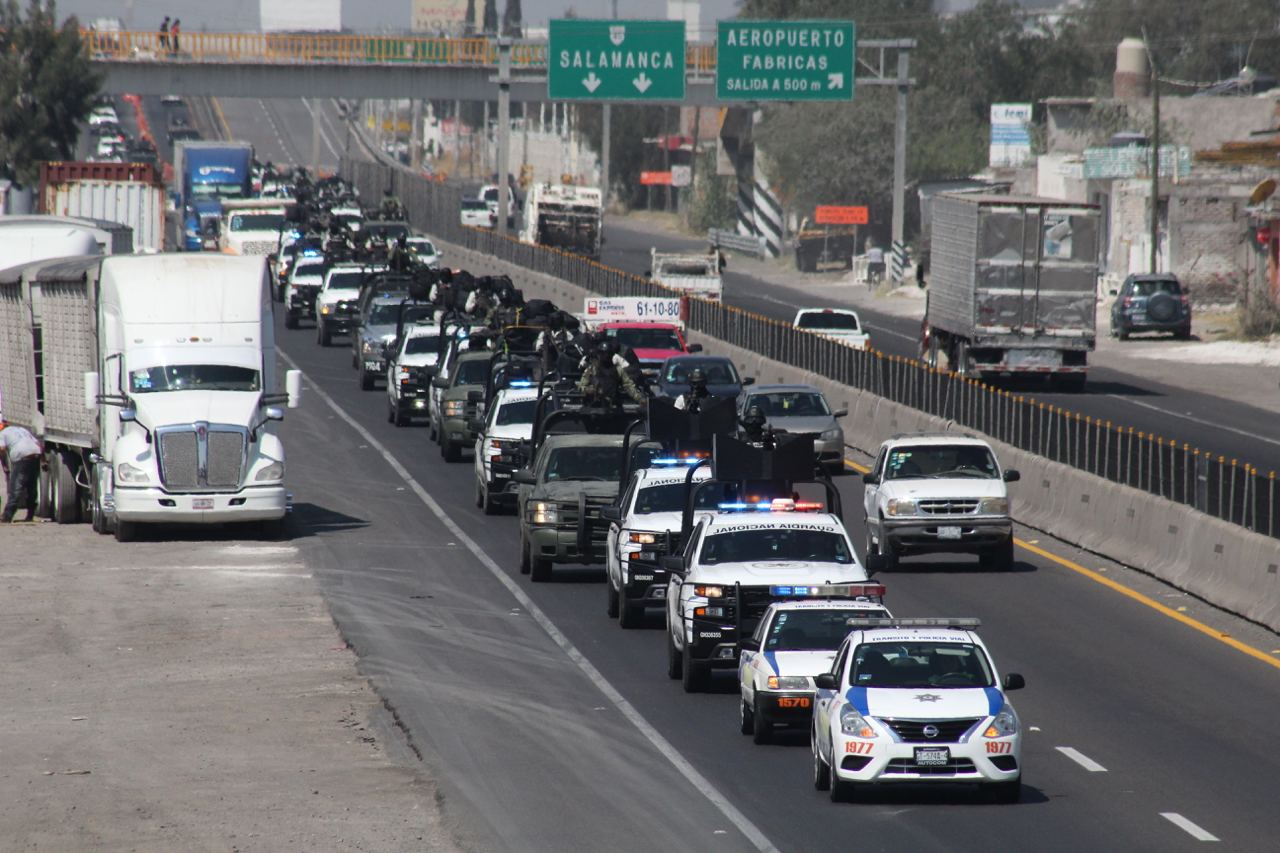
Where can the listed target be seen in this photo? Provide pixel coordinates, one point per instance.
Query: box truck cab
(186, 385)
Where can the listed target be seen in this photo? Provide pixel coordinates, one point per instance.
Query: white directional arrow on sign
(835, 81)
(592, 82)
(642, 83)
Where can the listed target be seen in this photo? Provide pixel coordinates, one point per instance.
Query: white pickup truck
(840, 324)
(696, 275)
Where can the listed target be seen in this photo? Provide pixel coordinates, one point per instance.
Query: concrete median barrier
(1219, 562)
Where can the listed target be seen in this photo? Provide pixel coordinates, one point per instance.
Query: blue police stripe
(857, 697)
(995, 700)
(772, 659)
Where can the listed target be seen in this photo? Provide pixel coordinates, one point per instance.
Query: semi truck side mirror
(274, 413)
(128, 416)
(293, 387)
(91, 390)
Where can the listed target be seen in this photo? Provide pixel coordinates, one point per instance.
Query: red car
(653, 343)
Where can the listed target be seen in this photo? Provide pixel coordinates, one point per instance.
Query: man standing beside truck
(20, 452)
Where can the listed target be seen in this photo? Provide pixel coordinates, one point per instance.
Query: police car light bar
(520, 383)
(666, 460)
(867, 591)
(775, 505)
(926, 622)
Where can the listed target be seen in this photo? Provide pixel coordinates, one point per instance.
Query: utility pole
(899, 246)
(315, 138)
(415, 135)
(504, 130)
(1154, 221)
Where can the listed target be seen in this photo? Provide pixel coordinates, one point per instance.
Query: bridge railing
(298, 49)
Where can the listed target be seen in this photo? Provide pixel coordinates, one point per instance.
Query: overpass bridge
(275, 65)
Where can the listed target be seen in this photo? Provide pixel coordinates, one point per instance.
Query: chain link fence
(1224, 488)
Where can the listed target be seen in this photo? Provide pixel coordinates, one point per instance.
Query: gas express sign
(615, 60)
(785, 61)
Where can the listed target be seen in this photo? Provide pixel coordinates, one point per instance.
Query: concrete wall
(1219, 562)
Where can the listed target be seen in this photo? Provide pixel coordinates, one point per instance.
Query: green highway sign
(785, 61)
(619, 60)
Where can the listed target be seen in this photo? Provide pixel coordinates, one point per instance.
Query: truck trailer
(204, 174)
(151, 381)
(130, 194)
(1013, 286)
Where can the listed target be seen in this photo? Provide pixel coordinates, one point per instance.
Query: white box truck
(152, 381)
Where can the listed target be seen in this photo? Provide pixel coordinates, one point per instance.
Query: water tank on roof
(1133, 76)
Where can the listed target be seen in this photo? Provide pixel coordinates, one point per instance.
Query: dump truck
(1013, 287)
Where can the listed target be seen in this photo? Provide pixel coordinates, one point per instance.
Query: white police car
(795, 641)
(728, 573)
(915, 700)
(508, 424)
(644, 526)
(408, 386)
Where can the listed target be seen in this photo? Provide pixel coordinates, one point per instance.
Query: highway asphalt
(534, 755)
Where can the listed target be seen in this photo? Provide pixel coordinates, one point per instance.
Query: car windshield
(790, 404)
(257, 221)
(344, 281)
(519, 412)
(385, 231)
(491, 194)
(813, 630)
(193, 377)
(775, 545)
(838, 320)
(583, 463)
(920, 664)
(383, 315)
(309, 270)
(472, 372)
(656, 338)
(717, 372)
(422, 247)
(671, 498)
(422, 344)
(1151, 288)
(935, 461)
(475, 204)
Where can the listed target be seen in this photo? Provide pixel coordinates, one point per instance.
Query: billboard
(285, 16)
(1010, 134)
(445, 17)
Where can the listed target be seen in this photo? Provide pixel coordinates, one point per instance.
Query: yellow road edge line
(1133, 594)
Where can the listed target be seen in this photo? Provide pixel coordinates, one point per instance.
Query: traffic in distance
(615, 441)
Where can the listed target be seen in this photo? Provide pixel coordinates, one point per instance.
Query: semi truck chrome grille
(202, 455)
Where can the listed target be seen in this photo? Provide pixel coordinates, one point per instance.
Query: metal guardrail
(722, 239)
(296, 49)
(1224, 488)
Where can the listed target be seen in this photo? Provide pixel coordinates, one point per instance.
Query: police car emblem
(928, 697)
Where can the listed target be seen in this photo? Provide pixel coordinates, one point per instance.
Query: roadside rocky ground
(1213, 363)
(189, 695)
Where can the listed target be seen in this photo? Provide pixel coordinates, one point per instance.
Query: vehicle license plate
(932, 756)
(948, 532)
(372, 365)
(202, 503)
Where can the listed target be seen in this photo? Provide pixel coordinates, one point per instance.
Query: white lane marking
(664, 746)
(284, 152)
(315, 119)
(1080, 758)
(1188, 827)
(1196, 420)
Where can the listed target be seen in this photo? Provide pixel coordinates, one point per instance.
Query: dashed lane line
(1196, 832)
(1129, 592)
(1195, 420)
(1080, 758)
(629, 711)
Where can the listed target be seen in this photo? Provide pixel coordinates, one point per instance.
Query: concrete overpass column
(415, 135)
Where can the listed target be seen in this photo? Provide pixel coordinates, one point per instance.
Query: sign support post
(899, 258)
(504, 131)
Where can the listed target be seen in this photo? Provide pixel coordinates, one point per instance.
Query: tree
(47, 87)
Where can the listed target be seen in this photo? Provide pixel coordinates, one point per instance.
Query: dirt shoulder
(189, 695)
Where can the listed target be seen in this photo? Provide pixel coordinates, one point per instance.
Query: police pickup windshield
(771, 544)
(583, 463)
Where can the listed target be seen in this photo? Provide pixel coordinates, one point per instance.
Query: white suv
(937, 493)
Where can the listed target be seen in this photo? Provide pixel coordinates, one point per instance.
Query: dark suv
(1151, 303)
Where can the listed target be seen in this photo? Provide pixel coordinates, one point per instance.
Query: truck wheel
(746, 718)
(539, 569)
(291, 320)
(126, 531)
(675, 660)
(695, 673)
(961, 365)
(1122, 333)
(44, 490)
(323, 336)
(367, 380)
(450, 451)
(873, 561)
(66, 501)
(524, 556)
(611, 599)
(629, 615)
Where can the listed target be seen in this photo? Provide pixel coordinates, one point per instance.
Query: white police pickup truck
(915, 700)
(729, 569)
(507, 425)
(795, 641)
(409, 370)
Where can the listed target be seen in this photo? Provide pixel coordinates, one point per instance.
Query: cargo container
(126, 193)
(1013, 286)
(32, 238)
